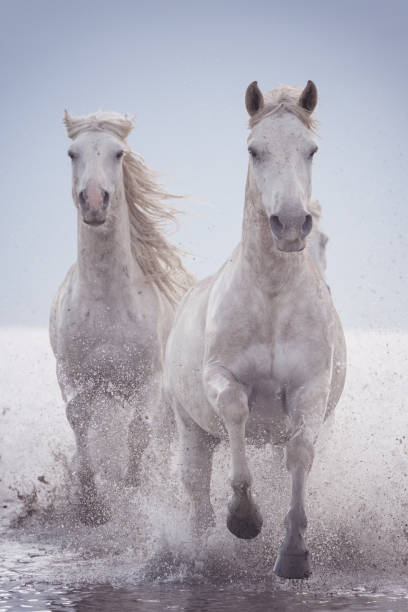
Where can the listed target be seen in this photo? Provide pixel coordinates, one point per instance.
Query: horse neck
(263, 262)
(105, 260)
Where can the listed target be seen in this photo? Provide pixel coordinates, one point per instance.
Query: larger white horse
(257, 351)
(111, 317)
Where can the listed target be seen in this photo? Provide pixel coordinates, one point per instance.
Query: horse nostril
(83, 199)
(105, 199)
(307, 225)
(276, 225)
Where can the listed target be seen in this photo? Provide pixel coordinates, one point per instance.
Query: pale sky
(181, 68)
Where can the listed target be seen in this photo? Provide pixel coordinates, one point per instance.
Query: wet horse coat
(257, 351)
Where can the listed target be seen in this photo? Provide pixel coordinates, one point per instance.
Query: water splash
(357, 496)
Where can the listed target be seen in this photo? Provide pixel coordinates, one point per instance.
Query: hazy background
(182, 69)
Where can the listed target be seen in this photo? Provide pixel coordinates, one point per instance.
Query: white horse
(111, 316)
(257, 351)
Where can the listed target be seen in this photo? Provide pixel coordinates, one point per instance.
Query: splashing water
(357, 501)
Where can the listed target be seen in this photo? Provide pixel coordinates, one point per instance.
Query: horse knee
(299, 454)
(231, 405)
(228, 397)
(77, 414)
(233, 408)
(74, 418)
(139, 433)
(241, 482)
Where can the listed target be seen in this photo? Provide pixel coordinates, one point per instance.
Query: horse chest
(268, 371)
(279, 343)
(274, 359)
(108, 347)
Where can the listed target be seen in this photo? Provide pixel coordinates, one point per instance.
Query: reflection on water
(34, 577)
(194, 598)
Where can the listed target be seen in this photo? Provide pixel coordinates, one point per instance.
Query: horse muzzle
(290, 232)
(94, 202)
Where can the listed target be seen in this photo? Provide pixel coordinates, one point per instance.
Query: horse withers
(257, 351)
(111, 316)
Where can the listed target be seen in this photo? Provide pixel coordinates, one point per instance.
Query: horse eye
(72, 154)
(312, 152)
(253, 153)
(119, 154)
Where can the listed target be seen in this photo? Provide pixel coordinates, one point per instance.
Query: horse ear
(253, 99)
(308, 97)
(67, 120)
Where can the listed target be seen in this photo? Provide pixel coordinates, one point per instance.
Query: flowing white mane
(149, 212)
(283, 98)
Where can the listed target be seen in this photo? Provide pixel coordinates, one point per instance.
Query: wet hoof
(293, 566)
(93, 512)
(244, 518)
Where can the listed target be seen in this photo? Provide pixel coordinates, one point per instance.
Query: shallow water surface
(194, 598)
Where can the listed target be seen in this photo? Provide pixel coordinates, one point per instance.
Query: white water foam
(357, 499)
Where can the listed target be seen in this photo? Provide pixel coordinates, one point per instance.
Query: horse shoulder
(233, 327)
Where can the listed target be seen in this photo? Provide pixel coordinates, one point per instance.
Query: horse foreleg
(196, 454)
(92, 510)
(138, 439)
(230, 401)
(293, 559)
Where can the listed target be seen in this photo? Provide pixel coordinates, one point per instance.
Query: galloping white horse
(257, 350)
(111, 317)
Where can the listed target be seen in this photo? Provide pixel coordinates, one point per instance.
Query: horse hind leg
(230, 402)
(92, 511)
(196, 448)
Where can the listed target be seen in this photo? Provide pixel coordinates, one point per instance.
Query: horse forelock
(115, 123)
(281, 99)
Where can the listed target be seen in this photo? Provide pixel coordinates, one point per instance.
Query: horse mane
(149, 212)
(283, 98)
(315, 209)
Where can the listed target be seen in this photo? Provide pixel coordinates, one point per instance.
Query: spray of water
(357, 496)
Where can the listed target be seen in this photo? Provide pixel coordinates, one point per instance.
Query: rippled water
(149, 598)
(145, 557)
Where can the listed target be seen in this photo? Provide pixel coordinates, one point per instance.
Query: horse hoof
(245, 524)
(293, 566)
(93, 513)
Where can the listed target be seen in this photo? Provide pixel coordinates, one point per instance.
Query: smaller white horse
(257, 351)
(111, 317)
